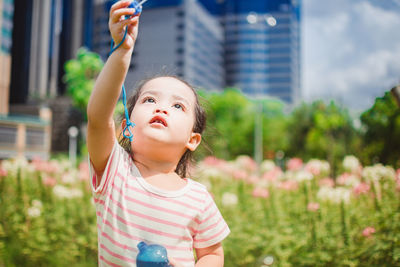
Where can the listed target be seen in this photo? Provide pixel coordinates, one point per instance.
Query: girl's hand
(118, 23)
(174, 263)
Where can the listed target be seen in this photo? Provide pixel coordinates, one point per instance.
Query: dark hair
(198, 127)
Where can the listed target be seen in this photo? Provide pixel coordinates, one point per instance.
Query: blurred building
(175, 37)
(262, 47)
(6, 25)
(37, 37)
(46, 34)
(210, 43)
(249, 44)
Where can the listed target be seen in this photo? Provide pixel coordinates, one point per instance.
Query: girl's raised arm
(106, 91)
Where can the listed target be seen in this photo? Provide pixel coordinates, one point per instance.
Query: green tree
(230, 124)
(275, 121)
(322, 131)
(80, 76)
(381, 140)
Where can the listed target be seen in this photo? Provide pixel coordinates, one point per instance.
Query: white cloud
(351, 51)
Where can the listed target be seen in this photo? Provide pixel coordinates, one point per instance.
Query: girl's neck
(148, 167)
(160, 174)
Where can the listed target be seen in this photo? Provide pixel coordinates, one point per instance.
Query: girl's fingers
(119, 4)
(173, 262)
(130, 22)
(117, 14)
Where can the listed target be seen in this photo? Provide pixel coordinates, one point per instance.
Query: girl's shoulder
(126, 160)
(198, 187)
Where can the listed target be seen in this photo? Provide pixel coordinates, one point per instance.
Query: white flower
(246, 163)
(61, 191)
(65, 165)
(37, 203)
(318, 167)
(64, 192)
(36, 209)
(75, 193)
(351, 164)
(335, 195)
(378, 172)
(229, 199)
(19, 163)
(210, 173)
(34, 212)
(267, 165)
(207, 184)
(301, 176)
(70, 177)
(347, 179)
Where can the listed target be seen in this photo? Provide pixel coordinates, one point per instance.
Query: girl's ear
(194, 141)
(123, 125)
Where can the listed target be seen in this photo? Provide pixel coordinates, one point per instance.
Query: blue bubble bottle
(152, 256)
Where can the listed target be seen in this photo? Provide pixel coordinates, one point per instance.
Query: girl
(142, 192)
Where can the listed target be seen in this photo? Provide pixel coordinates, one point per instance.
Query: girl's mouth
(159, 120)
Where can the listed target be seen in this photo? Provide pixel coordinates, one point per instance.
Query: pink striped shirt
(130, 210)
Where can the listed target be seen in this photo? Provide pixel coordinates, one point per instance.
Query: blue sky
(350, 50)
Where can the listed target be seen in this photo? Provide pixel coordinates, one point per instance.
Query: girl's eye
(149, 100)
(178, 106)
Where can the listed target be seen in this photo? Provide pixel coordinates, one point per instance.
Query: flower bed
(303, 217)
(294, 217)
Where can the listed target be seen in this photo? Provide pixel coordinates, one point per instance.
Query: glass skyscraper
(178, 37)
(262, 47)
(249, 44)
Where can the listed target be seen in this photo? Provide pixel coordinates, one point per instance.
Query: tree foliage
(315, 130)
(230, 124)
(381, 140)
(80, 76)
(321, 130)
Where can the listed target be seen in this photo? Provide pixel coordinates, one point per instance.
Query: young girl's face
(164, 114)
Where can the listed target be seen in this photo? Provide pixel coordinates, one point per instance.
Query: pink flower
(49, 181)
(45, 166)
(361, 188)
(260, 192)
(398, 174)
(368, 231)
(343, 178)
(53, 167)
(84, 171)
(347, 179)
(272, 175)
(313, 206)
(289, 185)
(326, 182)
(252, 179)
(213, 161)
(246, 163)
(3, 172)
(39, 164)
(294, 164)
(239, 175)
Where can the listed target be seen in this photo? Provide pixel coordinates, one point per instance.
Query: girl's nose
(161, 110)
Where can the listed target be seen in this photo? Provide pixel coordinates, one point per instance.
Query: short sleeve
(112, 166)
(212, 227)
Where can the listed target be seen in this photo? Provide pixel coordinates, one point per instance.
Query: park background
(326, 192)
